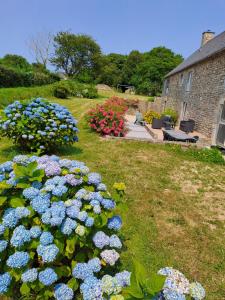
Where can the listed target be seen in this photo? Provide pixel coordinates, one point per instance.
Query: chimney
(207, 36)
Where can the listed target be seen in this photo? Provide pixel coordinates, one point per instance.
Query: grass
(8, 95)
(174, 214)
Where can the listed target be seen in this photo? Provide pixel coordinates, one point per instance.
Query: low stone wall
(144, 106)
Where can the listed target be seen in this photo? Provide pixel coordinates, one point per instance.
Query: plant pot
(156, 123)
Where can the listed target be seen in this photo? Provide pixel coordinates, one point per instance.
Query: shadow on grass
(68, 150)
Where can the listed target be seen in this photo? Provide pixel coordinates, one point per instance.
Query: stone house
(196, 88)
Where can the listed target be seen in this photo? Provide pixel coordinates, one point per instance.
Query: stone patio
(147, 133)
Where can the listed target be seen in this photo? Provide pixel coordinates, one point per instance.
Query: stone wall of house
(203, 101)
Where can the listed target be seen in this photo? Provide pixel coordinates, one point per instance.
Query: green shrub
(62, 90)
(172, 113)
(14, 78)
(38, 125)
(150, 115)
(75, 89)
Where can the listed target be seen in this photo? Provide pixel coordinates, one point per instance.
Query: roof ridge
(212, 47)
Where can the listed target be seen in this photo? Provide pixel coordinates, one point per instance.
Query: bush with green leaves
(71, 88)
(149, 115)
(172, 113)
(58, 233)
(61, 90)
(38, 125)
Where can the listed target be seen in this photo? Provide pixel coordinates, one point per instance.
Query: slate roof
(217, 44)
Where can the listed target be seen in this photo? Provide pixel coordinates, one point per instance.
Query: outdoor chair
(167, 122)
(178, 136)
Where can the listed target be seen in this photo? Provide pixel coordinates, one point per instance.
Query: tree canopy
(145, 71)
(15, 62)
(76, 54)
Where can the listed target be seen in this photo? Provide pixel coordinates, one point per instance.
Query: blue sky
(117, 25)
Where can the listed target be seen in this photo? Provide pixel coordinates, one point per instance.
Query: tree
(76, 54)
(40, 46)
(112, 70)
(15, 62)
(130, 65)
(149, 75)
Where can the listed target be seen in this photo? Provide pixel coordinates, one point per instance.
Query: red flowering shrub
(108, 118)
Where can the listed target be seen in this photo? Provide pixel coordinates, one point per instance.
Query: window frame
(189, 81)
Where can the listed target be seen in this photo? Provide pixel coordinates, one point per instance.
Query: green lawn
(175, 206)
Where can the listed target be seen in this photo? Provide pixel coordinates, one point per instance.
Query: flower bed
(38, 125)
(108, 118)
(58, 233)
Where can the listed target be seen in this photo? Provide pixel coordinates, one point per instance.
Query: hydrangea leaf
(2, 200)
(73, 284)
(154, 284)
(24, 289)
(17, 202)
(63, 271)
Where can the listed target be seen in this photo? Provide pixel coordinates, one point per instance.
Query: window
(189, 81)
(166, 86)
(181, 79)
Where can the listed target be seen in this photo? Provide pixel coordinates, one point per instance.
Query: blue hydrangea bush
(38, 125)
(58, 232)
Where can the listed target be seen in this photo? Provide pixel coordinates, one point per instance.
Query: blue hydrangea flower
(82, 216)
(72, 211)
(2, 229)
(10, 219)
(48, 253)
(41, 203)
(108, 204)
(197, 292)
(173, 295)
(110, 285)
(63, 292)
(20, 236)
(6, 167)
(3, 245)
(97, 209)
(18, 260)
(22, 212)
(59, 190)
(30, 193)
(47, 277)
(30, 275)
(82, 271)
(68, 226)
(5, 280)
(115, 223)
(95, 264)
(94, 178)
(115, 242)
(101, 240)
(89, 222)
(110, 256)
(101, 187)
(46, 238)
(52, 168)
(123, 278)
(91, 289)
(35, 232)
